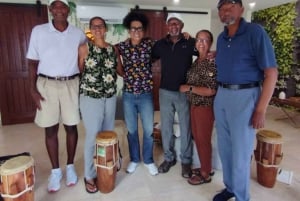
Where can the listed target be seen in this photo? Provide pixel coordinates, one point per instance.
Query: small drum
(107, 157)
(268, 155)
(17, 179)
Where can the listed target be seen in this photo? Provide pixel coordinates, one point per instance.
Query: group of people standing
(233, 86)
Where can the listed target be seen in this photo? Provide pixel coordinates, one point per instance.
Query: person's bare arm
(202, 91)
(258, 116)
(120, 70)
(36, 96)
(82, 54)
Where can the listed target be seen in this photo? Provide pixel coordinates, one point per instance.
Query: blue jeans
(169, 102)
(233, 111)
(98, 114)
(133, 105)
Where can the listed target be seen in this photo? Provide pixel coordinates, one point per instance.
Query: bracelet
(191, 88)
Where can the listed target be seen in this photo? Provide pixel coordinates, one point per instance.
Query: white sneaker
(152, 169)
(131, 167)
(54, 180)
(71, 175)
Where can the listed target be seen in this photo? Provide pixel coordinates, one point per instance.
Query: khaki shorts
(60, 104)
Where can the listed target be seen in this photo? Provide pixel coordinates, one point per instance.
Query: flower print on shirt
(90, 63)
(99, 77)
(137, 66)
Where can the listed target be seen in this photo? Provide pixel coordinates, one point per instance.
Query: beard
(173, 34)
(228, 20)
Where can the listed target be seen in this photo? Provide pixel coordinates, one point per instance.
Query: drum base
(266, 176)
(106, 179)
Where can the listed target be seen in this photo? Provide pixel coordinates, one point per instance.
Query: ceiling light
(176, 1)
(252, 5)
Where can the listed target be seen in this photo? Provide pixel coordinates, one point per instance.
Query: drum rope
(266, 150)
(114, 158)
(28, 188)
(265, 165)
(120, 158)
(105, 167)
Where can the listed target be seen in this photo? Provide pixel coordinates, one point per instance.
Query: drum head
(269, 137)
(106, 137)
(15, 165)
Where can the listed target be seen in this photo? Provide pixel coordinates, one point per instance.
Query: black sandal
(196, 171)
(198, 179)
(92, 186)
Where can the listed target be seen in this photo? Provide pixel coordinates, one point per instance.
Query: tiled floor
(140, 186)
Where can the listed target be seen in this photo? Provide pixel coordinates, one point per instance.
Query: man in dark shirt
(175, 53)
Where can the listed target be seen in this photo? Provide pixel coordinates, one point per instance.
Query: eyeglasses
(138, 29)
(100, 26)
(202, 40)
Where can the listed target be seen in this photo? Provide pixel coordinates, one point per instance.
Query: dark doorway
(17, 21)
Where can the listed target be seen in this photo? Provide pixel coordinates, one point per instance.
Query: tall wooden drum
(107, 157)
(268, 156)
(17, 179)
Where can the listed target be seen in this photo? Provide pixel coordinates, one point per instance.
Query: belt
(239, 86)
(59, 78)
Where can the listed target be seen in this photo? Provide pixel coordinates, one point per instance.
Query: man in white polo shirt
(53, 67)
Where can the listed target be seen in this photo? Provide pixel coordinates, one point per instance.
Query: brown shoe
(186, 170)
(198, 179)
(166, 165)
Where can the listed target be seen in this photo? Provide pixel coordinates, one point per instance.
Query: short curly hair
(135, 16)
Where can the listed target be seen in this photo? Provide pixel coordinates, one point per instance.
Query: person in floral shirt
(99, 62)
(137, 91)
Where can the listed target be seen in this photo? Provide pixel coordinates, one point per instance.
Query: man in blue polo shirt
(247, 76)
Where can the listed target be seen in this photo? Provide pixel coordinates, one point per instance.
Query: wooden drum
(17, 179)
(107, 157)
(268, 155)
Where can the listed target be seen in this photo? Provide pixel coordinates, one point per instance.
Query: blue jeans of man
(135, 105)
(233, 110)
(98, 114)
(169, 102)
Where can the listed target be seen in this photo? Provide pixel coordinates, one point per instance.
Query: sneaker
(71, 175)
(224, 195)
(152, 168)
(54, 180)
(131, 167)
(166, 165)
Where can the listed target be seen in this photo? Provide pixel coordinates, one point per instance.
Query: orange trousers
(202, 122)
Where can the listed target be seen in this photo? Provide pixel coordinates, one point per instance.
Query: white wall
(195, 22)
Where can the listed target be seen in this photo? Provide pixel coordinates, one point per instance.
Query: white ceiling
(204, 4)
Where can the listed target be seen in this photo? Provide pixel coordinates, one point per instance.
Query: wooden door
(156, 30)
(17, 21)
